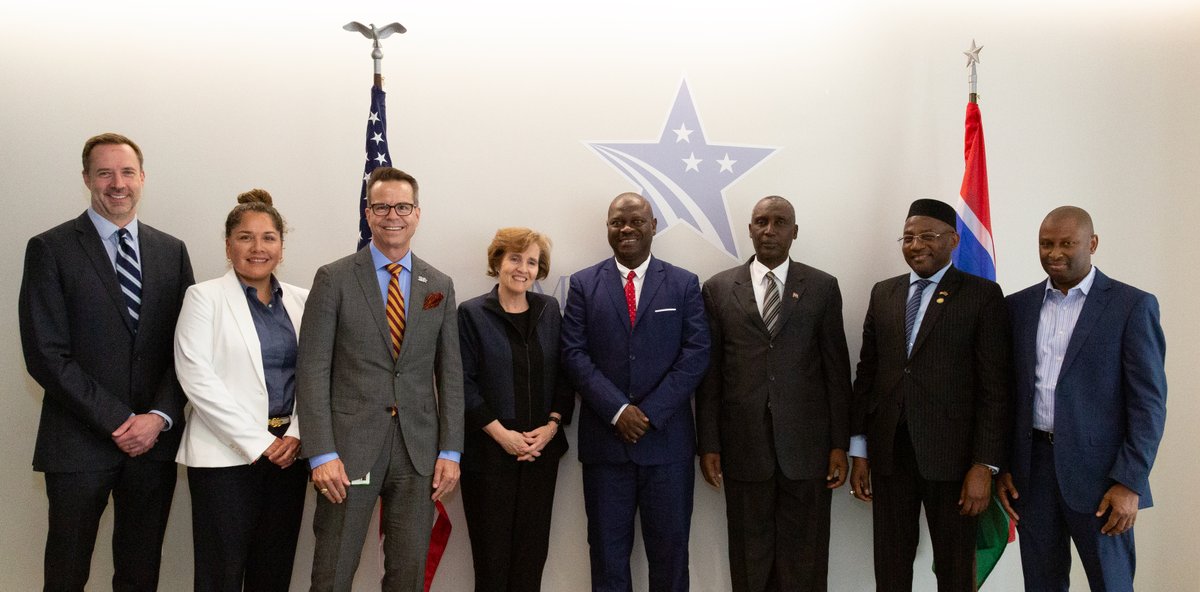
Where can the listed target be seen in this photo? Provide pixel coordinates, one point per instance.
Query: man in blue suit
(1091, 395)
(635, 345)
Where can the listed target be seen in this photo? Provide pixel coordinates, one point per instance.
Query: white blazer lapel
(239, 309)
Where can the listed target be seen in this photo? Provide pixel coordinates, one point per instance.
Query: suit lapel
(364, 270)
(235, 300)
(943, 292)
(650, 285)
(1093, 307)
(155, 269)
(614, 285)
(418, 290)
(743, 293)
(1027, 318)
(793, 288)
(92, 246)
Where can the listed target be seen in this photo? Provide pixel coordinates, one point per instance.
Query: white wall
(1088, 103)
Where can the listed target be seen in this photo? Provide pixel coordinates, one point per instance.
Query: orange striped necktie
(395, 309)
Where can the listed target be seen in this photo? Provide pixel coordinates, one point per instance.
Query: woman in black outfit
(516, 401)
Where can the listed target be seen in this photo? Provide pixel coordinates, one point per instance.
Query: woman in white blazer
(235, 356)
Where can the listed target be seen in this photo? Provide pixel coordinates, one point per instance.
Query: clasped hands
(526, 446)
(139, 433)
(632, 424)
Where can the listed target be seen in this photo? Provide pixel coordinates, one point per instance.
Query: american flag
(377, 155)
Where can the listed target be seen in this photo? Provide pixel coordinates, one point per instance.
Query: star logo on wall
(683, 175)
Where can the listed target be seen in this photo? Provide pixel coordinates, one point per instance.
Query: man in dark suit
(772, 412)
(932, 399)
(635, 345)
(1091, 395)
(98, 303)
(379, 394)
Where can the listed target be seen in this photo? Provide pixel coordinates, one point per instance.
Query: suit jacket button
(907, 370)
(631, 358)
(397, 375)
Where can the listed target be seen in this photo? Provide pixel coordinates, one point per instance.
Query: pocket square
(433, 300)
(665, 310)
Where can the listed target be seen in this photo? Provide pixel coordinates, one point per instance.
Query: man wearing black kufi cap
(931, 404)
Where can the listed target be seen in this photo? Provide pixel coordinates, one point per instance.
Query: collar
(106, 228)
(935, 278)
(1084, 285)
(379, 260)
(639, 270)
(758, 271)
(252, 292)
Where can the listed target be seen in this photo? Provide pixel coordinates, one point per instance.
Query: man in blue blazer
(1091, 395)
(635, 345)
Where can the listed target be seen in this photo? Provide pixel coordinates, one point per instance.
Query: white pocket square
(665, 310)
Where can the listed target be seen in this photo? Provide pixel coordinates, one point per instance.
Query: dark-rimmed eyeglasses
(382, 209)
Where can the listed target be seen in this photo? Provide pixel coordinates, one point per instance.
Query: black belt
(1047, 437)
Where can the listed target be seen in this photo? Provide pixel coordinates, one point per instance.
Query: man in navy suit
(635, 345)
(99, 299)
(1091, 396)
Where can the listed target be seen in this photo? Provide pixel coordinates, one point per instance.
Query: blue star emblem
(684, 176)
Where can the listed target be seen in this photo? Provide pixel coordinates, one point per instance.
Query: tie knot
(922, 284)
(123, 234)
(632, 274)
(770, 276)
(394, 269)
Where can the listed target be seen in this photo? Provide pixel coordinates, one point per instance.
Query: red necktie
(631, 297)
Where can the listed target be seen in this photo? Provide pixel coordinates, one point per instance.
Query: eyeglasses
(382, 209)
(925, 237)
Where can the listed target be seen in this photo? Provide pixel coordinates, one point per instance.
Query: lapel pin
(941, 300)
(795, 296)
(422, 279)
(941, 295)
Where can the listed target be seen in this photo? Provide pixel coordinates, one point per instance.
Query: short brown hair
(392, 174)
(255, 200)
(516, 240)
(108, 138)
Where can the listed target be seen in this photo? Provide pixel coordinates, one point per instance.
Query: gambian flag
(976, 255)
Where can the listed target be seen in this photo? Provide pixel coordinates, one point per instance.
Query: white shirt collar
(758, 271)
(1084, 285)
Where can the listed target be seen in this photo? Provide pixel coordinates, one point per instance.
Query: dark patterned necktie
(771, 303)
(129, 275)
(395, 309)
(910, 311)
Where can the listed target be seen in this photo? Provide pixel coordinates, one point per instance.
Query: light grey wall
(1088, 103)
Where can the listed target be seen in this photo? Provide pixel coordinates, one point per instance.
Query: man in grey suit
(98, 304)
(773, 410)
(379, 394)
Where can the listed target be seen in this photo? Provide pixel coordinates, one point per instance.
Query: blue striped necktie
(910, 311)
(129, 274)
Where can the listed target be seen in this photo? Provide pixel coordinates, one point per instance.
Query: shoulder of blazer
(738, 274)
(422, 267)
(147, 232)
(658, 265)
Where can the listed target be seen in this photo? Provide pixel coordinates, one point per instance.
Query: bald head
(631, 227)
(1066, 242)
(1073, 215)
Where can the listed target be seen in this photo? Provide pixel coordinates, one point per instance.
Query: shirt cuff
(451, 455)
(321, 459)
(858, 446)
(166, 418)
(618, 415)
(995, 470)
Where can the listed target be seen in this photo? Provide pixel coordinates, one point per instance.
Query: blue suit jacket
(1110, 401)
(656, 364)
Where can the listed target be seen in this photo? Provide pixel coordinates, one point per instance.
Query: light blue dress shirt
(1056, 324)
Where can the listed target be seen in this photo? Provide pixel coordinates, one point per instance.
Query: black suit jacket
(80, 345)
(953, 390)
(782, 400)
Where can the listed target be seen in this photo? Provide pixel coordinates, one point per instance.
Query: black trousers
(778, 534)
(245, 523)
(896, 511)
(141, 491)
(508, 505)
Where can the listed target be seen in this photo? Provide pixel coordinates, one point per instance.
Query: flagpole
(972, 59)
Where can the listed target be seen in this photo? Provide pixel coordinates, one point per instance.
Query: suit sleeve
(314, 365)
(478, 412)
(835, 360)
(864, 377)
(1144, 383)
(596, 390)
(169, 397)
(677, 387)
(211, 400)
(708, 396)
(449, 373)
(564, 395)
(46, 343)
(993, 400)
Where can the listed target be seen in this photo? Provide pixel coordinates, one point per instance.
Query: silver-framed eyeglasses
(402, 209)
(925, 237)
